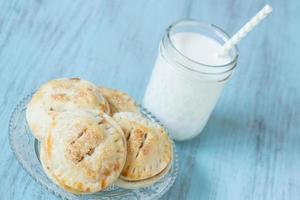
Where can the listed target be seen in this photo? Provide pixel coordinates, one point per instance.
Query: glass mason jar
(183, 90)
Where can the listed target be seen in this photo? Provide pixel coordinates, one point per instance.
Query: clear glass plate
(25, 148)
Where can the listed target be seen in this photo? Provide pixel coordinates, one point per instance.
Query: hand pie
(60, 95)
(119, 101)
(149, 150)
(83, 153)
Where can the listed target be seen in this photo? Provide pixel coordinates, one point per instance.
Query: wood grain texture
(250, 147)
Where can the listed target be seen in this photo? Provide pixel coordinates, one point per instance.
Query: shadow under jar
(188, 77)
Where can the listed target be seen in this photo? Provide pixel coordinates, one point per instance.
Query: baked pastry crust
(60, 95)
(149, 149)
(119, 101)
(142, 183)
(83, 153)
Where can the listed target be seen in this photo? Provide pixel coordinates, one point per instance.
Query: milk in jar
(188, 77)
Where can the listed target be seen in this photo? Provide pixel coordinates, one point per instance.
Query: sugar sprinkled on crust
(87, 153)
(149, 150)
(58, 96)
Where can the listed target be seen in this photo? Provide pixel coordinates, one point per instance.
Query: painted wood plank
(249, 148)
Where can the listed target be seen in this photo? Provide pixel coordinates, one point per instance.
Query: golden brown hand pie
(149, 149)
(60, 95)
(83, 153)
(119, 101)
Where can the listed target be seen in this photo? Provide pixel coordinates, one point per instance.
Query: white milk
(180, 98)
(199, 48)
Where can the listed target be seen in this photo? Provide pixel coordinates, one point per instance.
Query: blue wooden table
(250, 148)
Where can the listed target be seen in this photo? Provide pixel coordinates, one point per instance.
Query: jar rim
(215, 29)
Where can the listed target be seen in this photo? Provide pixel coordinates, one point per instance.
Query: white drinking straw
(246, 29)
